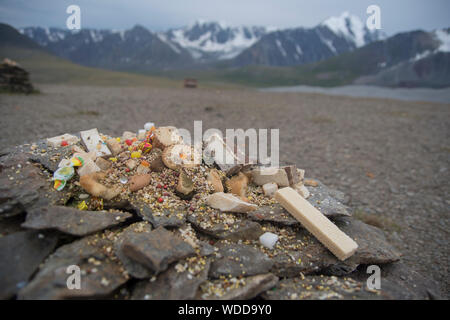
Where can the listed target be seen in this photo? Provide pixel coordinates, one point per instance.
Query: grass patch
(321, 120)
(9, 92)
(401, 114)
(89, 113)
(377, 220)
(46, 68)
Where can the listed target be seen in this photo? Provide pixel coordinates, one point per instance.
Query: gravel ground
(392, 158)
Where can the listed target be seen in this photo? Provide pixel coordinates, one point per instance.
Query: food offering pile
(144, 219)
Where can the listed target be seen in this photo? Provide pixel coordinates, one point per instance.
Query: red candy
(160, 200)
(64, 143)
(129, 142)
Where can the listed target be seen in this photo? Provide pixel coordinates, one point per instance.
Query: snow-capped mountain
(204, 43)
(352, 28)
(288, 47)
(137, 49)
(212, 40)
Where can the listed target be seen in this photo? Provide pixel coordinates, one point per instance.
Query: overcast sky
(396, 15)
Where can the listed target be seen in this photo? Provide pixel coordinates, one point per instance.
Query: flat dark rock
(401, 282)
(324, 199)
(157, 249)
(24, 185)
(302, 254)
(248, 288)
(321, 288)
(101, 273)
(73, 221)
(51, 158)
(134, 269)
(171, 217)
(173, 284)
(217, 226)
(21, 254)
(373, 247)
(305, 254)
(274, 214)
(239, 260)
(321, 197)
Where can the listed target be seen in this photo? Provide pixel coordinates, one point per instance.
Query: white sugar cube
(268, 239)
(270, 189)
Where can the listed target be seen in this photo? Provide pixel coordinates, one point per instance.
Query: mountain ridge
(204, 42)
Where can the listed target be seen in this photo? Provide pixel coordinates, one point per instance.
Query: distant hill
(47, 68)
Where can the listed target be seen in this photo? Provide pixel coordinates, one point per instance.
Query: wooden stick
(341, 245)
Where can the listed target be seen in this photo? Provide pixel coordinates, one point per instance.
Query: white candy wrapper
(148, 126)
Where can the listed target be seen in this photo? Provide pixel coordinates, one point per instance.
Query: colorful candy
(145, 147)
(135, 154)
(82, 205)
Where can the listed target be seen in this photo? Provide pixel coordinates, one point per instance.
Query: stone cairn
(13, 78)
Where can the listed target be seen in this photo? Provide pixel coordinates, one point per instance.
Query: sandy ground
(392, 158)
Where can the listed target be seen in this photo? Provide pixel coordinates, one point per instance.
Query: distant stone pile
(13, 78)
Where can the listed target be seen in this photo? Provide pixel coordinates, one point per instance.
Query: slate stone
(101, 272)
(172, 284)
(311, 256)
(248, 288)
(157, 249)
(50, 159)
(239, 260)
(21, 254)
(170, 217)
(307, 256)
(206, 249)
(275, 214)
(134, 269)
(24, 185)
(321, 288)
(73, 221)
(401, 282)
(323, 198)
(215, 225)
(373, 247)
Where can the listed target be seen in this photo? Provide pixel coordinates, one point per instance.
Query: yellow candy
(113, 159)
(136, 154)
(77, 161)
(118, 139)
(82, 205)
